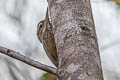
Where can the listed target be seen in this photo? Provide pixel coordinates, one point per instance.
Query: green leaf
(48, 76)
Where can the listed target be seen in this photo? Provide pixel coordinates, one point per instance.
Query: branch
(27, 60)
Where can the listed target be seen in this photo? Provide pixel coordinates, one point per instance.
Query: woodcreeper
(46, 37)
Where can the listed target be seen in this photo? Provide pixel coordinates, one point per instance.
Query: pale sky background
(18, 21)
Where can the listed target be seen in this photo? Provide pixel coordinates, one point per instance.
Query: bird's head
(40, 28)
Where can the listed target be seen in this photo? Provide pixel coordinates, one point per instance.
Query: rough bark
(76, 40)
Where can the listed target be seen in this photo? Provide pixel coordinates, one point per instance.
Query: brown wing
(48, 41)
(49, 45)
(50, 48)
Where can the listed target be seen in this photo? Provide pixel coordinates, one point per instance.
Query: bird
(46, 37)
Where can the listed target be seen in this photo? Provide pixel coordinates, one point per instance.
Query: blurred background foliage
(18, 21)
(116, 1)
(48, 76)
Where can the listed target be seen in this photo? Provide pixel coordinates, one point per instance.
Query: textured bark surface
(76, 40)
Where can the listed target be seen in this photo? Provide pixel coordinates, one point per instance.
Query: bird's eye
(41, 26)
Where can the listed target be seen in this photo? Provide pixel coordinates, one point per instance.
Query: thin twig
(27, 60)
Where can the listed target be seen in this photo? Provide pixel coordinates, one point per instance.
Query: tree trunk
(76, 40)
